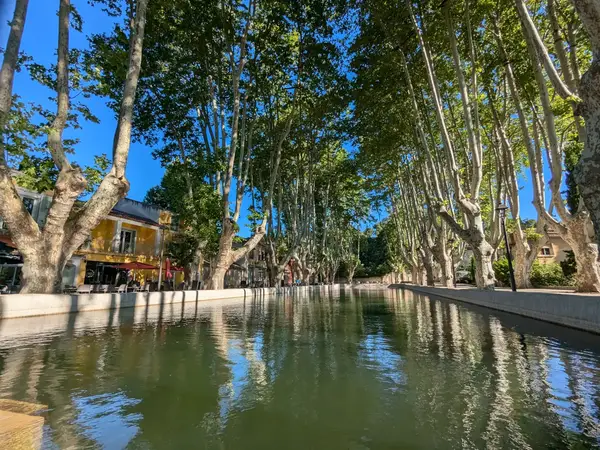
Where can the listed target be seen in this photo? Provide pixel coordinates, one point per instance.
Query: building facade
(132, 232)
(553, 248)
(249, 271)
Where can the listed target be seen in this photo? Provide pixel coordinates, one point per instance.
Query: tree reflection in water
(328, 369)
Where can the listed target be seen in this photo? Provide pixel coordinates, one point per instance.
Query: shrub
(501, 271)
(569, 266)
(543, 275)
(472, 269)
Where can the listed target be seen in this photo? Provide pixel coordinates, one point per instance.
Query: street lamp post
(502, 211)
(451, 243)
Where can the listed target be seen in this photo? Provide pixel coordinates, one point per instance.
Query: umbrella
(6, 240)
(137, 266)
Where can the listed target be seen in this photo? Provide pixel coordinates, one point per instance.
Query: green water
(339, 370)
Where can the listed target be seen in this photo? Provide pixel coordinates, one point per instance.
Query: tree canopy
(301, 119)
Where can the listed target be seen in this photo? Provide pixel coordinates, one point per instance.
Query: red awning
(6, 240)
(137, 266)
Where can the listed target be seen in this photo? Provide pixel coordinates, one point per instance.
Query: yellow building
(132, 232)
(552, 249)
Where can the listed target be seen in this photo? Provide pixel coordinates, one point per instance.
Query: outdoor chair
(122, 288)
(145, 288)
(85, 289)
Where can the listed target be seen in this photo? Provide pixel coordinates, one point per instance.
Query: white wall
(573, 310)
(26, 305)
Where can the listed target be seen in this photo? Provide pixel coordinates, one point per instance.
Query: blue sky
(39, 41)
(143, 172)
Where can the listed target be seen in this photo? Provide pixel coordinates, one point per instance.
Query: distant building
(250, 271)
(553, 248)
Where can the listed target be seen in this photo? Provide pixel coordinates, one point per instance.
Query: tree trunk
(414, 274)
(447, 273)
(428, 264)
(585, 253)
(217, 278)
(270, 261)
(522, 264)
(42, 270)
(484, 271)
(199, 264)
(351, 271)
(306, 273)
(46, 251)
(275, 275)
(445, 262)
(421, 280)
(224, 256)
(587, 171)
(187, 275)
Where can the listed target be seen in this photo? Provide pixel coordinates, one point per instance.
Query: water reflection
(331, 369)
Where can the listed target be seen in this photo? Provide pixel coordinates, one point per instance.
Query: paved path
(570, 291)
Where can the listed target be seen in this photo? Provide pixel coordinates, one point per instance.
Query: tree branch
(114, 185)
(531, 30)
(122, 139)
(55, 141)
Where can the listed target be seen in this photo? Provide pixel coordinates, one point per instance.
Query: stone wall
(27, 305)
(572, 310)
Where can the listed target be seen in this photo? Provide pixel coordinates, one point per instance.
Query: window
(545, 251)
(127, 241)
(28, 202)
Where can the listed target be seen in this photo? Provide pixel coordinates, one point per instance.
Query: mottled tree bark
(445, 262)
(428, 263)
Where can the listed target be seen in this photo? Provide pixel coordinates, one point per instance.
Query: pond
(334, 369)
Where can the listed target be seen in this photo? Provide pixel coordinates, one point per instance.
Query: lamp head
(501, 208)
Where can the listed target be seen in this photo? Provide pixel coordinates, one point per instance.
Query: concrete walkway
(569, 291)
(581, 311)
